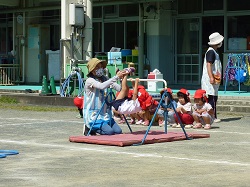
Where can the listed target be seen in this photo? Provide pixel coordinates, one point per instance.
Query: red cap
(168, 90)
(200, 94)
(184, 91)
(78, 101)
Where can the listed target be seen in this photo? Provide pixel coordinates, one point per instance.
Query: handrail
(151, 80)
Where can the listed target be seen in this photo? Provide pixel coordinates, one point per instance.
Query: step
(233, 108)
(234, 102)
(36, 99)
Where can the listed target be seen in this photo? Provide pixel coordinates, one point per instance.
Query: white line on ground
(223, 162)
(81, 122)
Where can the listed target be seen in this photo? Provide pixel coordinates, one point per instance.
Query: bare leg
(135, 88)
(125, 89)
(206, 120)
(196, 118)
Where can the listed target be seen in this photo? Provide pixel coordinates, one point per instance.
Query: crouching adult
(95, 90)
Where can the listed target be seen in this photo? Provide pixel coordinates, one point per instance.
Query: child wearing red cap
(184, 109)
(165, 106)
(203, 112)
(78, 101)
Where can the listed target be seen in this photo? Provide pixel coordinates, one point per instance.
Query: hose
(65, 91)
(4, 153)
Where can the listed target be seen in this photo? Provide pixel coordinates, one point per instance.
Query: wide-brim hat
(93, 63)
(215, 38)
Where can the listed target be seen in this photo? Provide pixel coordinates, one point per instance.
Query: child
(168, 107)
(184, 109)
(78, 101)
(122, 103)
(119, 117)
(147, 103)
(203, 112)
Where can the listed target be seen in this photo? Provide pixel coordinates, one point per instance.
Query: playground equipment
(165, 94)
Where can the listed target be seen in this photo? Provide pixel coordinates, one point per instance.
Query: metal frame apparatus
(111, 95)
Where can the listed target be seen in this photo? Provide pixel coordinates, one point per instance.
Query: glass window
(132, 34)
(97, 37)
(238, 26)
(189, 6)
(212, 5)
(97, 12)
(129, 10)
(235, 5)
(110, 11)
(113, 35)
(188, 37)
(238, 32)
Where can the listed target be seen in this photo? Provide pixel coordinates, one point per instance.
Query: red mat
(135, 138)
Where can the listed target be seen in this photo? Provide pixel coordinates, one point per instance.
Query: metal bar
(152, 80)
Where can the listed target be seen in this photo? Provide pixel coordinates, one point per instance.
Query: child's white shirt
(206, 107)
(187, 107)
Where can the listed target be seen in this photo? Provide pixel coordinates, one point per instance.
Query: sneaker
(162, 124)
(86, 130)
(145, 123)
(122, 121)
(171, 124)
(79, 116)
(129, 70)
(217, 120)
(139, 122)
(132, 121)
(188, 126)
(116, 118)
(197, 126)
(174, 125)
(207, 127)
(178, 126)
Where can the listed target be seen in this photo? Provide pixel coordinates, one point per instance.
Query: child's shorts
(204, 115)
(129, 107)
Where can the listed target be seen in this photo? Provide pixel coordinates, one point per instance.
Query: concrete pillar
(88, 39)
(66, 32)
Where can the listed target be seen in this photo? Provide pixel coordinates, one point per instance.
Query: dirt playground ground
(47, 158)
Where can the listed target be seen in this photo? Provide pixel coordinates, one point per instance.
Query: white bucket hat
(215, 38)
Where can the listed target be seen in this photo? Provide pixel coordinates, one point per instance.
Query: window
(110, 11)
(113, 35)
(132, 34)
(189, 6)
(235, 5)
(238, 32)
(212, 5)
(97, 12)
(129, 10)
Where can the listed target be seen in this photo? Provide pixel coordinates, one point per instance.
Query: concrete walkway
(47, 158)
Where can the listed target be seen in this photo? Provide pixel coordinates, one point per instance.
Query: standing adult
(95, 91)
(211, 77)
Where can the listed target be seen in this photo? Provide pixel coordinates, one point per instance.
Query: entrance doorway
(187, 56)
(210, 25)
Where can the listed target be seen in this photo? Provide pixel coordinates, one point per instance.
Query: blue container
(126, 52)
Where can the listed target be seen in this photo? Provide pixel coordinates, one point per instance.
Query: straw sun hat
(215, 38)
(93, 63)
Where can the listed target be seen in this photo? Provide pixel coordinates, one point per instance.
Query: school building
(47, 37)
